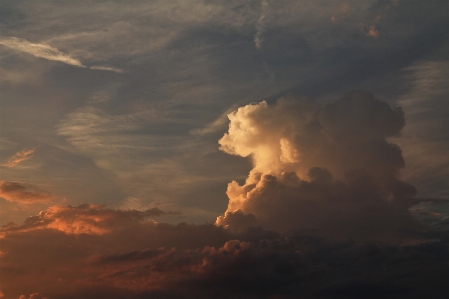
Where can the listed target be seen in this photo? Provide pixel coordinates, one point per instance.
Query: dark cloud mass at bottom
(323, 214)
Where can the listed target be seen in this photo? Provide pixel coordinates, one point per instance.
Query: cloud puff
(21, 156)
(15, 192)
(325, 168)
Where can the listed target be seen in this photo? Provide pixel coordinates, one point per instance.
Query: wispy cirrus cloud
(106, 68)
(48, 52)
(39, 50)
(19, 157)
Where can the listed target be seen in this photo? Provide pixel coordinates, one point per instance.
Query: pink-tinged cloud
(19, 157)
(23, 194)
(88, 219)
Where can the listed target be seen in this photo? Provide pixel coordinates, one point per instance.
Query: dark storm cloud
(207, 262)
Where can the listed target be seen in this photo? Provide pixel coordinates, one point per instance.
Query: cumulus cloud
(23, 194)
(328, 168)
(19, 157)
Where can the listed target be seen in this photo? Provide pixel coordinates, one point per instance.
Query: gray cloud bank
(136, 258)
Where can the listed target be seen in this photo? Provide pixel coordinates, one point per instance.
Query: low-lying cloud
(88, 219)
(23, 194)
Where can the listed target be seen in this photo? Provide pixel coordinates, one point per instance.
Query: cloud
(370, 31)
(424, 141)
(106, 68)
(33, 296)
(74, 257)
(19, 157)
(260, 25)
(48, 52)
(88, 219)
(39, 50)
(329, 169)
(23, 194)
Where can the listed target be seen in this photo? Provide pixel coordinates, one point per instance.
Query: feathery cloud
(18, 157)
(39, 50)
(48, 52)
(260, 26)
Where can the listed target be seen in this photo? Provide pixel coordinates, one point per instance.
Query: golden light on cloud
(19, 157)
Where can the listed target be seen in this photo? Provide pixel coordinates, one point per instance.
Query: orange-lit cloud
(21, 156)
(33, 296)
(23, 194)
(89, 219)
(328, 169)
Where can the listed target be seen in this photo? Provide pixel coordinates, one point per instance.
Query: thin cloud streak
(49, 53)
(106, 68)
(260, 26)
(19, 157)
(39, 50)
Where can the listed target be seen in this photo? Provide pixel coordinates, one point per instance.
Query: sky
(224, 149)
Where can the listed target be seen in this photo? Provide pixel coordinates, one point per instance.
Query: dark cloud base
(143, 259)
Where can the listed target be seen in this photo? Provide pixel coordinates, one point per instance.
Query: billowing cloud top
(327, 168)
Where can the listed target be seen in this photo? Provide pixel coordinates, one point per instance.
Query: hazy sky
(327, 116)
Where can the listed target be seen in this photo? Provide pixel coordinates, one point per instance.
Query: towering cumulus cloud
(328, 169)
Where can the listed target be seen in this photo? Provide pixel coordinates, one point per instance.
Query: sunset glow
(224, 149)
